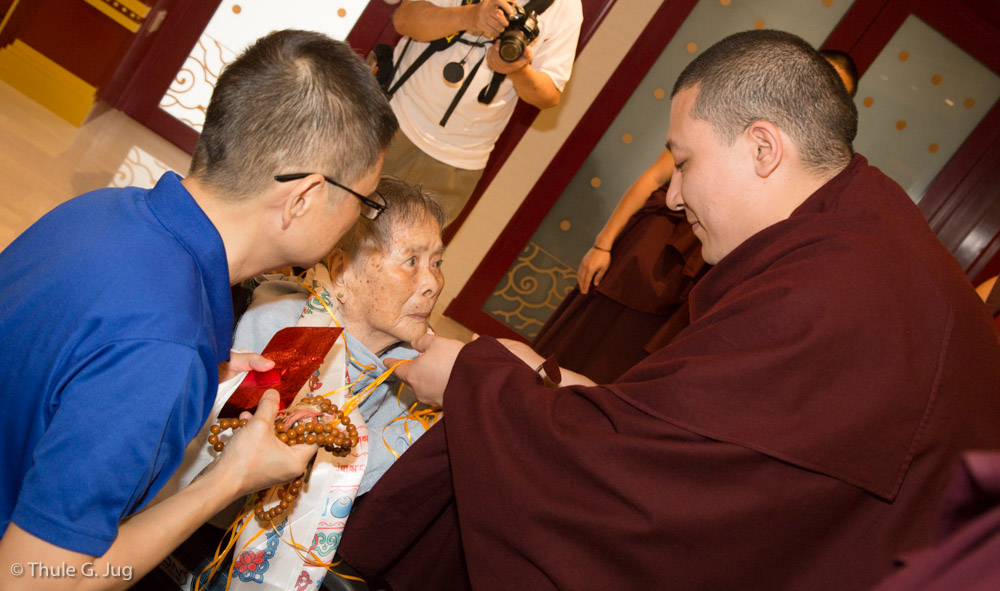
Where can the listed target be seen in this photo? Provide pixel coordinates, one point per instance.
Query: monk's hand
(592, 269)
(240, 361)
(257, 457)
(428, 374)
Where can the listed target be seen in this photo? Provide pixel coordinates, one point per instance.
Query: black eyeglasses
(372, 205)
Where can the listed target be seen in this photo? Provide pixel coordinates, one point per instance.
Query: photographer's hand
(490, 18)
(496, 63)
(532, 86)
(425, 21)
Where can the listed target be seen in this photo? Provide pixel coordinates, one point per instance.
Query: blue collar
(180, 214)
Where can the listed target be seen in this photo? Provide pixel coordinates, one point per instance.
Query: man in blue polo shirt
(115, 312)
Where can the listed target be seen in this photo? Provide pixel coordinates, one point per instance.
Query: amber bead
(213, 439)
(218, 446)
(283, 504)
(311, 438)
(215, 429)
(345, 421)
(243, 422)
(224, 424)
(300, 428)
(283, 437)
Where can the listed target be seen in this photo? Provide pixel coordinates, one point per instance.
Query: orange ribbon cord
(425, 417)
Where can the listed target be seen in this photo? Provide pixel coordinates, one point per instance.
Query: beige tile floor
(44, 161)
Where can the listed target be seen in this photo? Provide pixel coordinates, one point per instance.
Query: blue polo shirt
(115, 310)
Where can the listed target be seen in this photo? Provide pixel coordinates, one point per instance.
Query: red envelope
(297, 352)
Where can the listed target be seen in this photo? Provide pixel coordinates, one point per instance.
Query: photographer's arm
(533, 87)
(425, 21)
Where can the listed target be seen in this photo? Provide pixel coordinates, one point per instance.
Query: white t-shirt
(472, 130)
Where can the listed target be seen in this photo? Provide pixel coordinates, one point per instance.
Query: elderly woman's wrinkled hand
(428, 374)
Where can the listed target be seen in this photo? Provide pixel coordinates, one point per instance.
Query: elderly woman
(380, 283)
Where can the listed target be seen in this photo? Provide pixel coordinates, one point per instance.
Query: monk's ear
(768, 147)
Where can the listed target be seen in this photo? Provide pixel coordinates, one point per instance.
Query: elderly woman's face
(389, 296)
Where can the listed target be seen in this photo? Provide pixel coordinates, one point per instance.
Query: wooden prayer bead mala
(320, 428)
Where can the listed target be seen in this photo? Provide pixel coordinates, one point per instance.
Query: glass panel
(237, 24)
(546, 270)
(918, 102)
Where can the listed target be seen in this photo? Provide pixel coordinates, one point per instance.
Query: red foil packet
(297, 352)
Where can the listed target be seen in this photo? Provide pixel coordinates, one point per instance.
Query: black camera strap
(434, 47)
(461, 91)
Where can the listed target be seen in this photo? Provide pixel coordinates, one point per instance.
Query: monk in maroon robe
(797, 435)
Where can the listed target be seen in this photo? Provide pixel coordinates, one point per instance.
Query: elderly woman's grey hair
(406, 205)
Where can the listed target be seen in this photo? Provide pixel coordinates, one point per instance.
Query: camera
(522, 29)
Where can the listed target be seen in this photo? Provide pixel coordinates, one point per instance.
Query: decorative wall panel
(237, 24)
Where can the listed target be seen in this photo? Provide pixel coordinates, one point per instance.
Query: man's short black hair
(294, 101)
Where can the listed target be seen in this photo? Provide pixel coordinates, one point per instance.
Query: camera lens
(512, 46)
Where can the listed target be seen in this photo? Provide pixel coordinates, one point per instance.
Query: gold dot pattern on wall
(692, 47)
(341, 12)
(969, 103)
(936, 79)
(828, 3)
(901, 125)
(595, 182)
(626, 138)
(565, 225)
(237, 9)
(659, 93)
(725, 2)
(904, 55)
(933, 148)
(869, 101)
(758, 24)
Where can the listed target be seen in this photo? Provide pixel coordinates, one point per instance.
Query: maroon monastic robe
(966, 556)
(797, 435)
